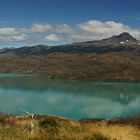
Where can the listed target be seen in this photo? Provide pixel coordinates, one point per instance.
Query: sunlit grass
(54, 128)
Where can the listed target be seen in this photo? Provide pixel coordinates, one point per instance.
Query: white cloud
(89, 30)
(41, 28)
(98, 29)
(8, 31)
(46, 28)
(64, 28)
(53, 38)
(15, 38)
(19, 38)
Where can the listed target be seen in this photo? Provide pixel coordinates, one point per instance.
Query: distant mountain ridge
(122, 42)
(114, 40)
(124, 37)
(113, 59)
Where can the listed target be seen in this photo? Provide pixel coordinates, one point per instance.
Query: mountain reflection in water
(68, 98)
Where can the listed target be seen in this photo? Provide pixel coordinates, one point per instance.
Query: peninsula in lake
(113, 59)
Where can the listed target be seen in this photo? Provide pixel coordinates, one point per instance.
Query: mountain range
(113, 59)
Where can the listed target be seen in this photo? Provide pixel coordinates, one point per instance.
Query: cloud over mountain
(53, 38)
(100, 29)
(89, 30)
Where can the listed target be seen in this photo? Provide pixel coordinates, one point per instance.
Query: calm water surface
(68, 98)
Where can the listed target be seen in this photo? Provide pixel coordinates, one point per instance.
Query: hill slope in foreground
(112, 59)
(54, 128)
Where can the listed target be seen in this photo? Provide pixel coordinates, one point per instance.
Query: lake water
(68, 98)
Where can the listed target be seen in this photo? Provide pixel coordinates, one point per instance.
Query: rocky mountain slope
(112, 59)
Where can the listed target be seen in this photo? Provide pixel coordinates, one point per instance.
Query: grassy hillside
(112, 66)
(55, 128)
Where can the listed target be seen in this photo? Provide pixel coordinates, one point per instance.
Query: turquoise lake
(68, 98)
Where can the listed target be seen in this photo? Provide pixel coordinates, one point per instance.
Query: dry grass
(53, 128)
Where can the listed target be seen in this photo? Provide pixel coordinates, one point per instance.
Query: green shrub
(50, 125)
(7, 119)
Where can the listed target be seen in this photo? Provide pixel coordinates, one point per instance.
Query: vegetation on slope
(114, 66)
(54, 128)
(105, 60)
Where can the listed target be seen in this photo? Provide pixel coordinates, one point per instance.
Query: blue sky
(30, 22)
